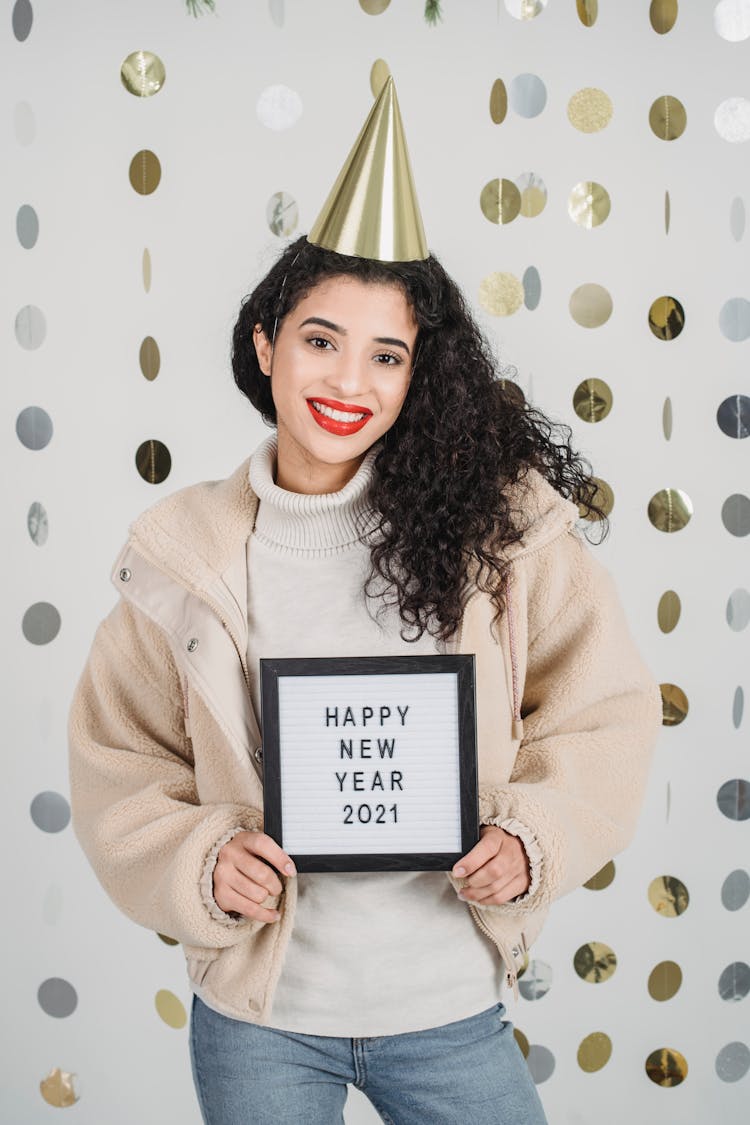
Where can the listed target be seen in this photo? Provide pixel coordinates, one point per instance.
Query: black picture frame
(460, 666)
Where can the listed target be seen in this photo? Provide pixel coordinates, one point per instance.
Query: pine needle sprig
(200, 7)
(432, 12)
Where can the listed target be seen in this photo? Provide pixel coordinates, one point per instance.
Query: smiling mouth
(338, 417)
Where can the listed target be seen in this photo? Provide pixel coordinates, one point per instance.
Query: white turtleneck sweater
(371, 953)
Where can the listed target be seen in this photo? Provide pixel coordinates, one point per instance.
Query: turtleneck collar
(302, 522)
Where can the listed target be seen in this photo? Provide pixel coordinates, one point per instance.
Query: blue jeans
(468, 1071)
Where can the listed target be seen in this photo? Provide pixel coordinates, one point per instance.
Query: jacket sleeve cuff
(530, 846)
(207, 882)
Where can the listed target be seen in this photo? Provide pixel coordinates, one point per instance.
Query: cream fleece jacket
(164, 742)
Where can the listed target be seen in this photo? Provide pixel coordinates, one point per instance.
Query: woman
(407, 502)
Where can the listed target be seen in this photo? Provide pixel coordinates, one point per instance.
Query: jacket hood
(195, 533)
(542, 510)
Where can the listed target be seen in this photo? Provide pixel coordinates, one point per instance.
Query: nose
(348, 377)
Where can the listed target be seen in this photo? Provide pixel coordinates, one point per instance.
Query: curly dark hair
(464, 435)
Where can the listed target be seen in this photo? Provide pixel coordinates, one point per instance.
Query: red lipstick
(336, 425)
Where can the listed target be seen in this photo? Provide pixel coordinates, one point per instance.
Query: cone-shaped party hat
(372, 210)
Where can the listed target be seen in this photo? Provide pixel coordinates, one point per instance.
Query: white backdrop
(71, 131)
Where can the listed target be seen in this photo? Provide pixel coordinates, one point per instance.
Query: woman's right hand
(244, 875)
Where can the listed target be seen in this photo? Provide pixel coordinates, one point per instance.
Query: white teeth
(337, 415)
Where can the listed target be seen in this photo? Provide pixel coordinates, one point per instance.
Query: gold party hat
(372, 210)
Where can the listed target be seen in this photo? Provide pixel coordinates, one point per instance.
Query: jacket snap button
(192, 644)
(516, 951)
(258, 753)
(124, 574)
(254, 1007)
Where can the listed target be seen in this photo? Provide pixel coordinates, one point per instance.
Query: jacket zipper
(216, 610)
(511, 975)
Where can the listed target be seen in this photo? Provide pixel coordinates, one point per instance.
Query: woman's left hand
(496, 869)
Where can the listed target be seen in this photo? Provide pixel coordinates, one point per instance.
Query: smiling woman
(408, 501)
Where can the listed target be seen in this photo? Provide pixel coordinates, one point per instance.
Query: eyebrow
(342, 332)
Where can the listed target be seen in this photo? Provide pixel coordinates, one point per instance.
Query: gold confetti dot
(590, 305)
(668, 896)
(594, 1052)
(153, 461)
(666, 318)
(374, 7)
(674, 705)
(145, 172)
(590, 110)
(664, 980)
(667, 118)
(604, 498)
(522, 1042)
(171, 1010)
(146, 269)
(533, 194)
(500, 201)
(168, 940)
(670, 509)
(58, 1088)
(589, 204)
(666, 1067)
(525, 9)
(595, 962)
(501, 294)
(142, 74)
(588, 10)
(602, 879)
(149, 358)
(592, 400)
(668, 611)
(667, 418)
(498, 101)
(379, 75)
(663, 15)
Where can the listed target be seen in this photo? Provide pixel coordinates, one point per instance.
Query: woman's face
(339, 370)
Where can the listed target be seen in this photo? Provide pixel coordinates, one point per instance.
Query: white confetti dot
(279, 107)
(732, 120)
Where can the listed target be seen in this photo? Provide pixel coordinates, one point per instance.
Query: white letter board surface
(369, 763)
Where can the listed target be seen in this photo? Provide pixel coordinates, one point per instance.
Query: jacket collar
(197, 535)
(194, 534)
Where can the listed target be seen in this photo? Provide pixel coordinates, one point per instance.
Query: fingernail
(276, 915)
(290, 869)
(462, 896)
(459, 871)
